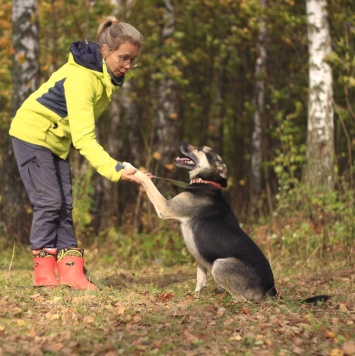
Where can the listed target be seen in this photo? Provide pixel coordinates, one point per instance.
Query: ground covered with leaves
(152, 310)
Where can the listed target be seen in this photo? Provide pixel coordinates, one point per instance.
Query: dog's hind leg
(237, 278)
(201, 277)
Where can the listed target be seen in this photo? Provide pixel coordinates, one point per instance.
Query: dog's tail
(322, 298)
(311, 300)
(315, 299)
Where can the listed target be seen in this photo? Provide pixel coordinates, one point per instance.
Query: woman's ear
(105, 51)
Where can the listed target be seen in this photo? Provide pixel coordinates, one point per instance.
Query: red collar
(199, 180)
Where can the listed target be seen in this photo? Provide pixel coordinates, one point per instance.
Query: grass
(150, 309)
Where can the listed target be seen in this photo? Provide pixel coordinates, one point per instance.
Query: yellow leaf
(343, 307)
(121, 310)
(21, 322)
(236, 337)
(16, 311)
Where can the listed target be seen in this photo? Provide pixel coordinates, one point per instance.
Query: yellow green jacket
(64, 109)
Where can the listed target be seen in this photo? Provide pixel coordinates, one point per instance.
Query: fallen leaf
(343, 307)
(21, 322)
(330, 334)
(245, 311)
(16, 311)
(221, 311)
(137, 318)
(164, 297)
(349, 348)
(189, 337)
(298, 351)
(268, 342)
(228, 322)
(336, 352)
(55, 347)
(120, 310)
(51, 316)
(89, 319)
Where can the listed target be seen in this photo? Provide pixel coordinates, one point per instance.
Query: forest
(270, 86)
(232, 75)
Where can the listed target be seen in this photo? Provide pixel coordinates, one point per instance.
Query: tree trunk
(259, 107)
(26, 73)
(133, 127)
(106, 193)
(167, 128)
(320, 129)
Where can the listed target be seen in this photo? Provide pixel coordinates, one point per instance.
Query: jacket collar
(88, 55)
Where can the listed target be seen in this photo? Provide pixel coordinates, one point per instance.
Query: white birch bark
(26, 79)
(259, 106)
(166, 121)
(26, 46)
(320, 128)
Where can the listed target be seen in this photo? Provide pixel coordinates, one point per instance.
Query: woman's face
(122, 59)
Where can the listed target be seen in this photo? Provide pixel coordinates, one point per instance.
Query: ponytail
(113, 33)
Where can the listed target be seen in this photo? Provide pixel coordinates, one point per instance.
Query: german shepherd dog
(210, 229)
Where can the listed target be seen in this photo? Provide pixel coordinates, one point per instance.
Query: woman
(61, 113)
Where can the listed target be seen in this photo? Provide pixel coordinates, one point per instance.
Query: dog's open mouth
(184, 162)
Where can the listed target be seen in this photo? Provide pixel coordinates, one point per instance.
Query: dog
(211, 230)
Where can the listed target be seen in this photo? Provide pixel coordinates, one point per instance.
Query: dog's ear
(222, 169)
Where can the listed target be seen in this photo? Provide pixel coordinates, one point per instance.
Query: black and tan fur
(210, 229)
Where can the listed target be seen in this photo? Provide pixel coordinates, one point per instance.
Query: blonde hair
(113, 33)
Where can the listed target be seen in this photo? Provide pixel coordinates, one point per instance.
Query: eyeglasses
(125, 60)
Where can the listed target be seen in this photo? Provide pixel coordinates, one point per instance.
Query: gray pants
(47, 180)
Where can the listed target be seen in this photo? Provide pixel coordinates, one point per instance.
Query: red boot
(70, 264)
(44, 267)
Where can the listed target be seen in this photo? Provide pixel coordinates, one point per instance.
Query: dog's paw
(127, 165)
(200, 287)
(220, 289)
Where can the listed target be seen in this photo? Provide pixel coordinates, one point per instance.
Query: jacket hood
(88, 55)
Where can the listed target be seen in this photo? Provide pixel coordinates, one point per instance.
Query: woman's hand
(128, 174)
(129, 171)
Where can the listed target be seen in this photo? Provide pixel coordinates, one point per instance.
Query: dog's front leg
(161, 205)
(201, 277)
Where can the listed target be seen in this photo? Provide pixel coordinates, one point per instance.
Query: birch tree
(26, 72)
(26, 80)
(259, 107)
(166, 120)
(320, 128)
